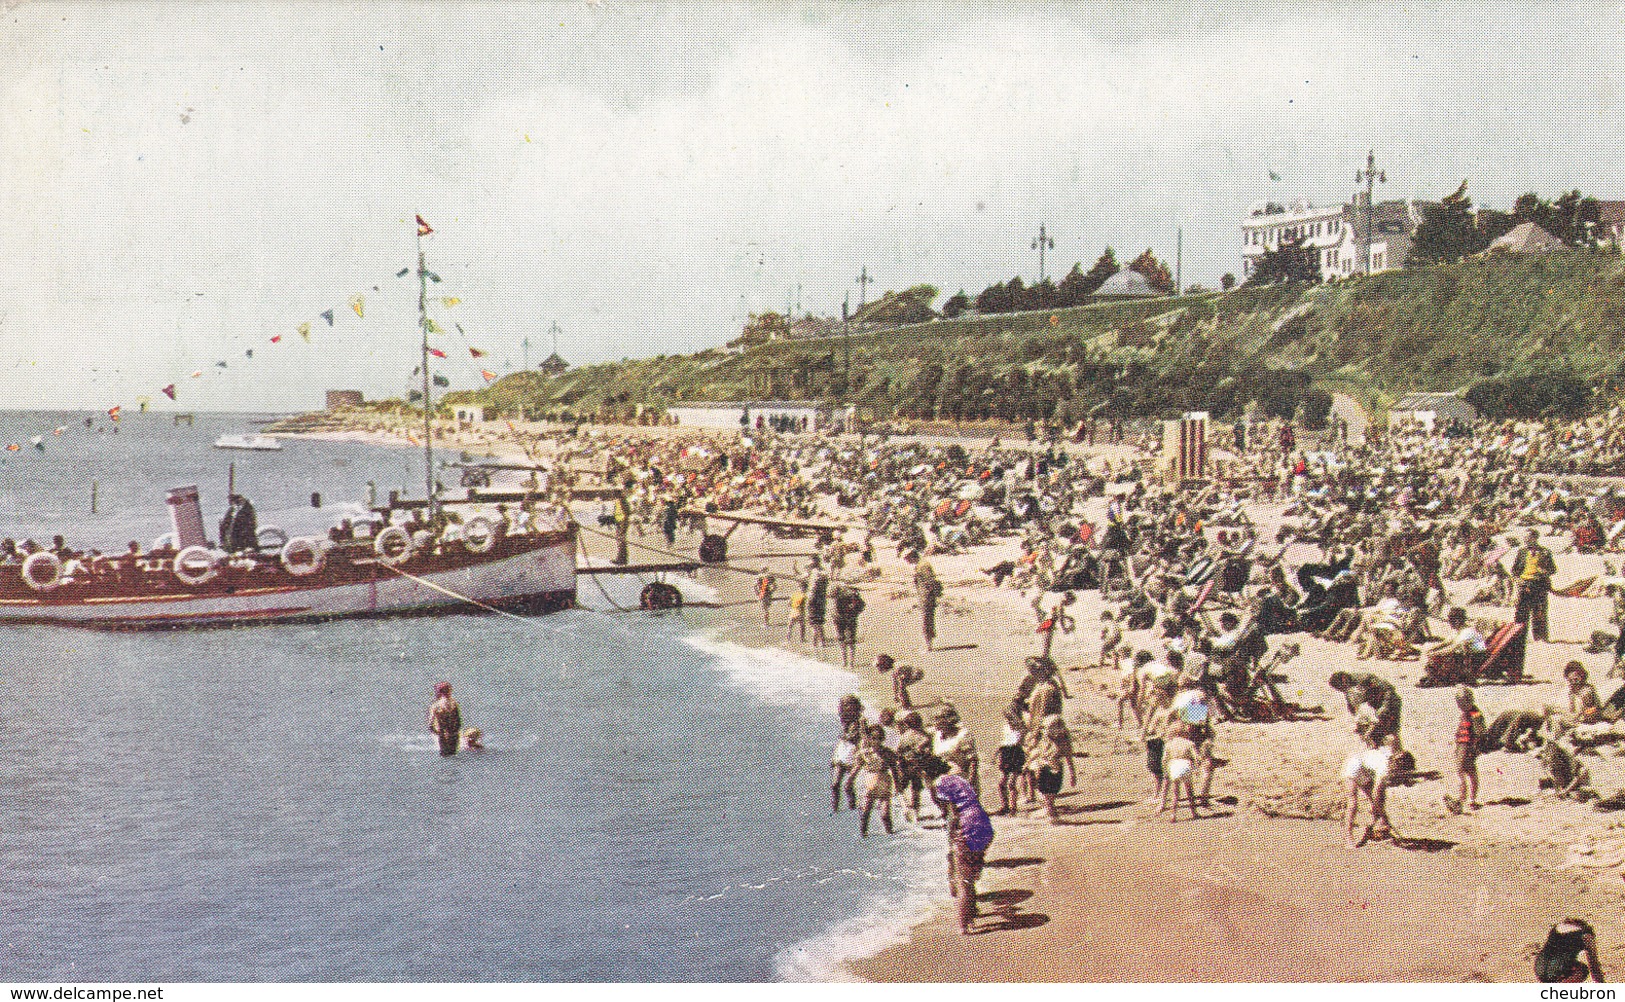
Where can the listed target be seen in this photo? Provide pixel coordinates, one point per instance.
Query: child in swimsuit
(1012, 761)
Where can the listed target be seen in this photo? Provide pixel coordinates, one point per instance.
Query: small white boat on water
(256, 443)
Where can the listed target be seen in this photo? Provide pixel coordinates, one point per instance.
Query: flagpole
(423, 329)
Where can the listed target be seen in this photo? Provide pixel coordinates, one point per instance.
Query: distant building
(1525, 238)
(553, 365)
(1336, 234)
(342, 399)
(1430, 410)
(1127, 284)
(797, 415)
(1610, 223)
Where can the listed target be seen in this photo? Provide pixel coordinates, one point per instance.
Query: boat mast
(428, 404)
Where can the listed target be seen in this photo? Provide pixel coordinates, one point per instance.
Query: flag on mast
(424, 229)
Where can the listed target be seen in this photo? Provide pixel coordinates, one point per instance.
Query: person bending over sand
(970, 832)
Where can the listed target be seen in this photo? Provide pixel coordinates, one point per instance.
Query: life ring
(393, 546)
(479, 535)
(186, 568)
(276, 541)
(659, 596)
(302, 555)
(35, 561)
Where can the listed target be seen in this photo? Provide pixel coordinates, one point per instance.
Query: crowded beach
(1188, 727)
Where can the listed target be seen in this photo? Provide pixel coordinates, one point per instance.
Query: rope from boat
(461, 598)
(752, 572)
(582, 544)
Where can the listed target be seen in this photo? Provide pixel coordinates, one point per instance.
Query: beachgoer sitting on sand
(1585, 707)
(1566, 776)
(1515, 731)
(1559, 958)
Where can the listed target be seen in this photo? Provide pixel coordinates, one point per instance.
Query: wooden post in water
(93, 489)
(231, 479)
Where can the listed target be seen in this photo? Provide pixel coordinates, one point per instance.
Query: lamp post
(1041, 243)
(1370, 176)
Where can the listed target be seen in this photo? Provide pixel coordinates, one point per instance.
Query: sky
(182, 182)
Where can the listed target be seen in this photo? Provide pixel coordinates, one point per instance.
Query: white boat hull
(532, 581)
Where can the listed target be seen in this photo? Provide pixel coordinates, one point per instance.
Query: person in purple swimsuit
(970, 832)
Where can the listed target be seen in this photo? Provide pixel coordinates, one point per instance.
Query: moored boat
(389, 567)
(256, 443)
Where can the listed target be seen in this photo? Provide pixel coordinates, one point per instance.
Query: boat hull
(526, 575)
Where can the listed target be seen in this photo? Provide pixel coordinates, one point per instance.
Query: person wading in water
(446, 719)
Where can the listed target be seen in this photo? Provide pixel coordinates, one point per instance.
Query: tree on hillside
(1291, 261)
(993, 299)
(911, 306)
(957, 303)
(1089, 282)
(1566, 219)
(1447, 232)
(1156, 272)
(1227, 281)
(1019, 298)
(762, 328)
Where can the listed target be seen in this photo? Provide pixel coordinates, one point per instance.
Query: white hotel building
(1335, 233)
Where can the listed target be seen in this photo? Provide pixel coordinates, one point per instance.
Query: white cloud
(646, 175)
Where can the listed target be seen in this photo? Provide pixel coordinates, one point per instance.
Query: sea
(265, 804)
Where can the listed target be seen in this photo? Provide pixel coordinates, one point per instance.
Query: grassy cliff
(1440, 328)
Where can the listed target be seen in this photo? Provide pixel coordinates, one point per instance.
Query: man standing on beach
(1533, 566)
(930, 591)
(623, 523)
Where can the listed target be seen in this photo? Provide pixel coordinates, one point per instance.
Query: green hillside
(1493, 321)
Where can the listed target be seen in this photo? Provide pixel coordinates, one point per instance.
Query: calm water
(265, 804)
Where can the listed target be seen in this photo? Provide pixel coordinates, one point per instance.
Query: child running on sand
(1469, 735)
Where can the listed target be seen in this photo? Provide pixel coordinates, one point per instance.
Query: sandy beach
(1264, 888)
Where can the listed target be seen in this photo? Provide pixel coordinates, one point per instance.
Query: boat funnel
(186, 517)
